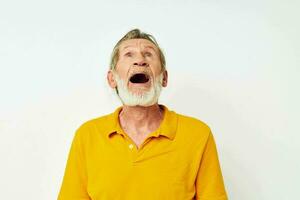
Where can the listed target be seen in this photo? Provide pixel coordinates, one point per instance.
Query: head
(137, 69)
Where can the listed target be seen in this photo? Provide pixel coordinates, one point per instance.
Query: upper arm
(209, 181)
(74, 184)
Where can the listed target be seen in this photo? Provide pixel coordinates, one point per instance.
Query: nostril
(140, 63)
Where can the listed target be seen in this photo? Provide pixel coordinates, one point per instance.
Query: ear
(165, 79)
(111, 80)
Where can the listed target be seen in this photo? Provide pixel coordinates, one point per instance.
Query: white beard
(148, 98)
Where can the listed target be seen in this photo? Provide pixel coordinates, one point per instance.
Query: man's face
(138, 64)
(139, 67)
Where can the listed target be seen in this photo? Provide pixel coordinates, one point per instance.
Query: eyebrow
(150, 47)
(145, 47)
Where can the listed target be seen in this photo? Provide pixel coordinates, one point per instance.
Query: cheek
(123, 66)
(157, 68)
(123, 63)
(121, 73)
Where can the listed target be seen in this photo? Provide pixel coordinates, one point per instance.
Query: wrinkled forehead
(137, 43)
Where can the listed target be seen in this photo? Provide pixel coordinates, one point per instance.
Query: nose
(141, 63)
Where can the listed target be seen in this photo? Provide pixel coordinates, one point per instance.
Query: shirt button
(131, 146)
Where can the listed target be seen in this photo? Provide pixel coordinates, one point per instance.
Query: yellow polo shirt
(178, 161)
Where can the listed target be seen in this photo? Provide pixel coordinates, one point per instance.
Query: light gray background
(232, 64)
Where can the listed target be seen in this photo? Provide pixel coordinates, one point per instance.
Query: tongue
(139, 78)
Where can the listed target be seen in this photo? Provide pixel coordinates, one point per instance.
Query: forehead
(137, 43)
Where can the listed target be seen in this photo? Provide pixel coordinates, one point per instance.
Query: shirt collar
(167, 127)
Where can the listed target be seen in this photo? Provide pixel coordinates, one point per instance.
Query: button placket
(131, 146)
(132, 150)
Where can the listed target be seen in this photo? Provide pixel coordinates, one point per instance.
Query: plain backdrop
(232, 64)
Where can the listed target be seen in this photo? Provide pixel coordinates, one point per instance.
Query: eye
(148, 54)
(128, 54)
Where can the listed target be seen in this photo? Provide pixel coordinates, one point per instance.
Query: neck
(139, 117)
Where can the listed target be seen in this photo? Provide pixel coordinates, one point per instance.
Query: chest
(159, 170)
(137, 136)
(138, 139)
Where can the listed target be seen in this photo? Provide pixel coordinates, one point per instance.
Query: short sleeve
(74, 184)
(209, 181)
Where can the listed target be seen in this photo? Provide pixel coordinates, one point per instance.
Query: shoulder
(90, 123)
(192, 122)
(94, 125)
(193, 127)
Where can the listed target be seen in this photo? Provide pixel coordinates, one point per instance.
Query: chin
(139, 99)
(139, 96)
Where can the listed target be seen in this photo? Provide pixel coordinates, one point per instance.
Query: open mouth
(139, 78)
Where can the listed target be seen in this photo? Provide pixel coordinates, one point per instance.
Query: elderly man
(143, 150)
